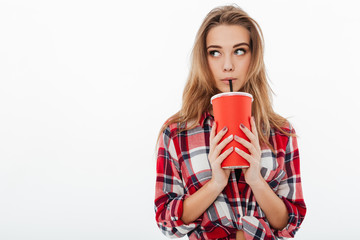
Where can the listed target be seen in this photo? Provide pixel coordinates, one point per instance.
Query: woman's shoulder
(173, 126)
(281, 135)
(169, 127)
(285, 128)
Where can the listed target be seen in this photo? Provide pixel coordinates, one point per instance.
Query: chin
(224, 89)
(228, 90)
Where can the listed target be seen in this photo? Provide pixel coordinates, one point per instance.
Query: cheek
(248, 61)
(212, 66)
(245, 64)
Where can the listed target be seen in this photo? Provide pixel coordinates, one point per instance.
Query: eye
(240, 51)
(214, 53)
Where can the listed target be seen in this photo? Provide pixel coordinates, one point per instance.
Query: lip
(226, 80)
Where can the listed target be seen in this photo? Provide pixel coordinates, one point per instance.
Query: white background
(86, 85)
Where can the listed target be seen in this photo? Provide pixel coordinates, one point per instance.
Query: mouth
(226, 80)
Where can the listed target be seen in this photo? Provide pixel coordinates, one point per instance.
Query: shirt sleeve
(169, 190)
(290, 189)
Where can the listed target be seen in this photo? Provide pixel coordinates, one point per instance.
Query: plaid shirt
(183, 168)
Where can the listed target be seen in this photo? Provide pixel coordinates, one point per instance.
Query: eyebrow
(236, 45)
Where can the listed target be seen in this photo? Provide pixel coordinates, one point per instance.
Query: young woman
(194, 195)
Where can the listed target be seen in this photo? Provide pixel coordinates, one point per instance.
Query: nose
(228, 65)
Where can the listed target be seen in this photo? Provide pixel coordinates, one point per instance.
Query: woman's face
(228, 55)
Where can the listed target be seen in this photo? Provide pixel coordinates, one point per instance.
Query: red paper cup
(230, 110)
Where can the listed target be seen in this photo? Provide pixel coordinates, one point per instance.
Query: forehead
(227, 35)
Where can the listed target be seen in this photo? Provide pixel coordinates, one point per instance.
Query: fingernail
(225, 128)
(237, 149)
(242, 125)
(231, 149)
(237, 137)
(231, 136)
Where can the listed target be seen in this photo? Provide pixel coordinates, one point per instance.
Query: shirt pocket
(268, 164)
(270, 169)
(198, 169)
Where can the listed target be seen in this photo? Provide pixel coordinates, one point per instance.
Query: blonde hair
(200, 85)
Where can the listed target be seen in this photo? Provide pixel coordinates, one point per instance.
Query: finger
(219, 136)
(223, 144)
(213, 131)
(222, 156)
(248, 133)
(245, 143)
(255, 132)
(212, 136)
(253, 127)
(246, 156)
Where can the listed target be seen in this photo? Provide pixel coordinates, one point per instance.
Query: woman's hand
(220, 176)
(252, 174)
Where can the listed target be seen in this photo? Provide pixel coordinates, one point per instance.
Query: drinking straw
(230, 82)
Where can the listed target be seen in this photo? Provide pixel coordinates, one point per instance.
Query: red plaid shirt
(183, 168)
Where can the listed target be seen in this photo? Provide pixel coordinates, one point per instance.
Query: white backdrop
(86, 85)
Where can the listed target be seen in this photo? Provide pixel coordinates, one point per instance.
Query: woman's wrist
(215, 186)
(258, 183)
(196, 204)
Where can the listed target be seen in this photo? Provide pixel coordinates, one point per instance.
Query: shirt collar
(206, 116)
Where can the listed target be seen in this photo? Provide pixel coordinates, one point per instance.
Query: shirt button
(239, 215)
(164, 223)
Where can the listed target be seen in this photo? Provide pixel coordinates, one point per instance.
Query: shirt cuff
(293, 223)
(172, 225)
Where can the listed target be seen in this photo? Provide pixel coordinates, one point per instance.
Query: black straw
(230, 82)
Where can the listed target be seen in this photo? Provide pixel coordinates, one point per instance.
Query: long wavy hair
(200, 85)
